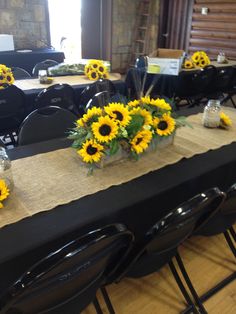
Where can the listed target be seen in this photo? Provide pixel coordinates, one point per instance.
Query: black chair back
(205, 79)
(20, 73)
(12, 108)
(44, 124)
(223, 79)
(60, 95)
(43, 65)
(160, 243)
(186, 83)
(99, 100)
(100, 85)
(66, 280)
(224, 218)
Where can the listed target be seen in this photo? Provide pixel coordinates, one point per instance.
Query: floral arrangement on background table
(4, 192)
(6, 76)
(96, 69)
(198, 59)
(130, 128)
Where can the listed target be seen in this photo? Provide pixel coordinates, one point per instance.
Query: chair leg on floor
(230, 243)
(233, 233)
(97, 306)
(189, 283)
(107, 300)
(182, 288)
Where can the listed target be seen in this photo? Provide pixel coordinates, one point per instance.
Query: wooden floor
(208, 260)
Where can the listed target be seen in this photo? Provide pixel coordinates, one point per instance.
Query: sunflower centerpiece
(130, 128)
(199, 59)
(6, 76)
(95, 69)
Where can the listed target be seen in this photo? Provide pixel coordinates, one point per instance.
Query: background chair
(100, 85)
(66, 280)
(160, 243)
(12, 109)
(100, 99)
(60, 95)
(44, 65)
(45, 124)
(20, 73)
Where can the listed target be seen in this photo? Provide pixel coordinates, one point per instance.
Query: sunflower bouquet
(198, 59)
(4, 192)
(6, 76)
(95, 69)
(129, 127)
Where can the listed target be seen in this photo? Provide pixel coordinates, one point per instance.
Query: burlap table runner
(46, 180)
(27, 84)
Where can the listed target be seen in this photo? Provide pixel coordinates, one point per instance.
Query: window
(65, 27)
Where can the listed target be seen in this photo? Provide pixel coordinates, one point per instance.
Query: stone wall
(125, 14)
(26, 20)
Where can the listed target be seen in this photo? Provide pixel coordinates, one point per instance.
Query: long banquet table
(137, 203)
(31, 87)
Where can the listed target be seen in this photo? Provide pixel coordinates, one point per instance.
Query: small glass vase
(211, 114)
(5, 169)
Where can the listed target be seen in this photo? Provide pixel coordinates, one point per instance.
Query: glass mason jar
(211, 114)
(42, 76)
(5, 169)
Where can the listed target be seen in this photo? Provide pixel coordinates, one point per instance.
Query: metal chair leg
(107, 300)
(189, 283)
(233, 233)
(230, 243)
(97, 306)
(182, 287)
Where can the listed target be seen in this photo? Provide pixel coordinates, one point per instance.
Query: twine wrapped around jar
(211, 114)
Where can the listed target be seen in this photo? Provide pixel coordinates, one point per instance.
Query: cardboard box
(165, 61)
(6, 42)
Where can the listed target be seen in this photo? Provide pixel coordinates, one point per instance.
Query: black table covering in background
(27, 60)
(137, 203)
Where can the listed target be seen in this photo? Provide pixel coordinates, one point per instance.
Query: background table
(27, 60)
(137, 203)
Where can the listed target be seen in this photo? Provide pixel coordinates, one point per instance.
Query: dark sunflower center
(101, 69)
(1, 77)
(105, 129)
(139, 140)
(162, 125)
(91, 150)
(8, 78)
(95, 66)
(93, 74)
(119, 115)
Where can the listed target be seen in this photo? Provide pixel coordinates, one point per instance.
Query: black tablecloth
(138, 204)
(27, 60)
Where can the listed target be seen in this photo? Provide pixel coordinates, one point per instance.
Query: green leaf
(135, 125)
(114, 147)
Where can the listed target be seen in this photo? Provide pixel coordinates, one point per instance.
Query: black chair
(45, 124)
(66, 280)
(12, 109)
(100, 85)
(231, 89)
(43, 65)
(61, 95)
(98, 100)
(186, 88)
(20, 73)
(160, 244)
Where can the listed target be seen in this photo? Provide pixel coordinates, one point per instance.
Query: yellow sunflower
(161, 104)
(144, 113)
(146, 100)
(9, 78)
(2, 78)
(133, 103)
(87, 69)
(93, 75)
(3, 68)
(91, 116)
(165, 125)
(95, 64)
(141, 141)
(91, 151)
(202, 63)
(188, 64)
(105, 75)
(225, 120)
(4, 191)
(101, 69)
(119, 113)
(196, 56)
(105, 129)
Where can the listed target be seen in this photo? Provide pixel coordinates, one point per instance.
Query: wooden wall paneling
(215, 31)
